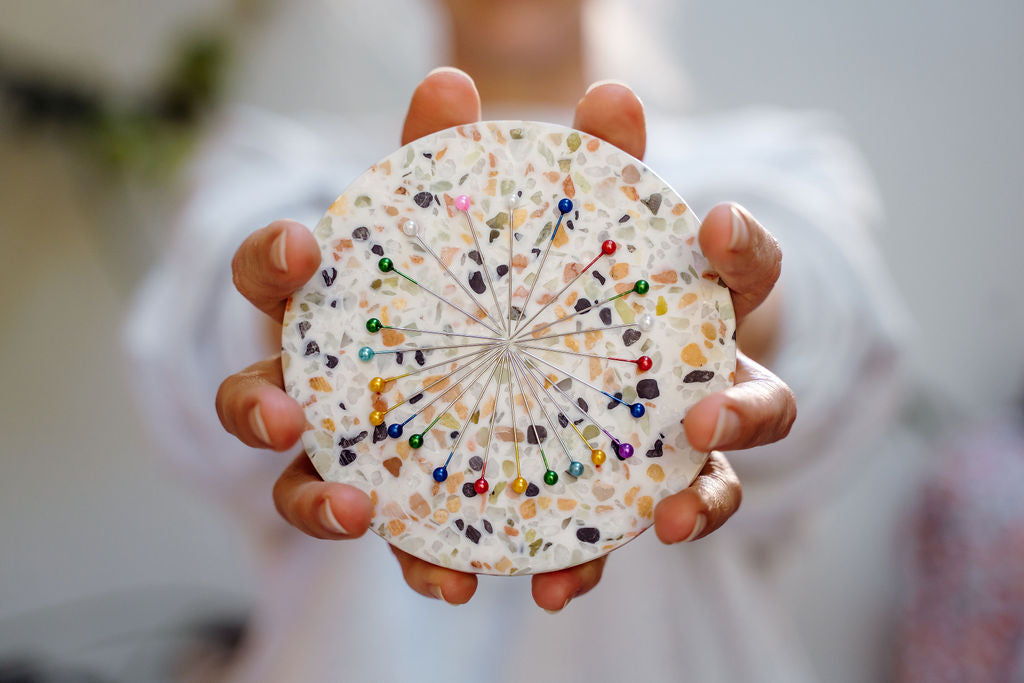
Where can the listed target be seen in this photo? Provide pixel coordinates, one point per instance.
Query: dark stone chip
(495, 234)
(329, 275)
(686, 277)
(459, 523)
(535, 251)
(473, 534)
(476, 463)
(655, 451)
(581, 305)
(352, 440)
(399, 357)
(535, 434)
(467, 489)
(342, 406)
(606, 316)
(487, 527)
(588, 534)
(563, 420)
(598, 276)
(380, 432)
(361, 233)
(334, 304)
(582, 404)
(517, 313)
(653, 203)
(346, 457)
(569, 224)
(625, 217)
(312, 348)
(377, 249)
(476, 282)
(474, 255)
(630, 337)
(532, 490)
(454, 435)
(612, 404)
(428, 155)
(502, 269)
(332, 361)
(420, 358)
(303, 328)
(416, 399)
(517, 236)
(698, 376)
(423, 199)
(648, 388)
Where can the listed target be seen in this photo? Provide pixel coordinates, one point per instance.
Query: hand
(276, 260)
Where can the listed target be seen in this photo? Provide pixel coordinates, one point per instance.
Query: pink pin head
(462, 202)
(608, 247)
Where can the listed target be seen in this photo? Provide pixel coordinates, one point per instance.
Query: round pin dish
(509, 323)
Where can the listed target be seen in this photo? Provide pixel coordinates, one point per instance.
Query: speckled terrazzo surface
(544, 414)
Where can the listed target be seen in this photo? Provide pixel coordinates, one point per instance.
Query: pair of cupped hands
(276, 260)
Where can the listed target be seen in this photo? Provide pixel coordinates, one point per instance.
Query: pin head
(462, 202)
(637, 410)
(644, 363)
(416, 440)
(608, 247)
(376, 384)
(641, 287)
(551, 477)
(386, 265)
(377, 417)
(395, 430)
(373, 325)
(645, 322)
(410, 228)
(440, 474)
(565, 205)
(575, 468)
(624, 450)
(366, 354)
(519, 484)
(597, 456)
(481, 486)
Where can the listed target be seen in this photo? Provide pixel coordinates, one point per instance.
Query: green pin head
(373, 325)
(416, 440)
(550, 477)
(386, 265)
(641, 287)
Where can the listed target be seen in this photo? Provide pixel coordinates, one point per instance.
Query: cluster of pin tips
(508, 352)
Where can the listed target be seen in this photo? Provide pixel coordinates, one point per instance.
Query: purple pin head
(624, 450)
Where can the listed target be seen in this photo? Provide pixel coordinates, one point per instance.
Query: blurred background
(107, 558)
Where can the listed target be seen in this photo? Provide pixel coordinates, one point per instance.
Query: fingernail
(606, 81)
(727, 428)
(277, 251)
(257, 425)
(436, 592)
(698, 526)
(556, 611)
(328, 519)
(450, 70)
(740, 238)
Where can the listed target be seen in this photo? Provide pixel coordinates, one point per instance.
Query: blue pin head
(395, 430)
(637, 410)
(440, 474)
(565, 206)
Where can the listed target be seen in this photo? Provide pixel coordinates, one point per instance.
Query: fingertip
(701, 421)
(676, 517)
(347, 510)
(302, 252)
(716, 230)
(446, 97)
(611, 111)
(457, 588)
(283, 420)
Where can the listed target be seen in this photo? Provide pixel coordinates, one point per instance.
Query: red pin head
(643, 363)
(608, 247)
(481, 486)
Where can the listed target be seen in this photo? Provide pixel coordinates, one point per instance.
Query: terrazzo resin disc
(509, 408)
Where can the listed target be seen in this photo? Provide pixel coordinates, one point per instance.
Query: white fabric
(704, 611)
